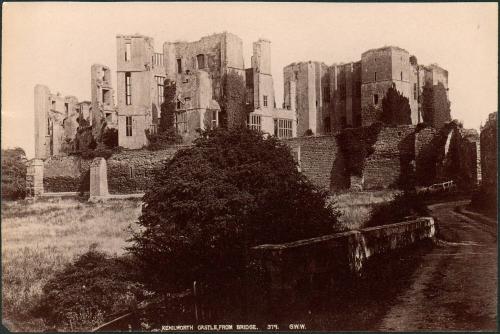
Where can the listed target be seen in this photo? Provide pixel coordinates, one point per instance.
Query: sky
(56, 43)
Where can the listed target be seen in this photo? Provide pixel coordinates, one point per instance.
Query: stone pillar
(98, 180)
(34, 178)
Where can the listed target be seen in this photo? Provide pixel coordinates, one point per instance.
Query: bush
(406, 205)
(110, 137)
(308, 133)
(484, 200)
(234, 112)
(167, 113)
(105, 153)
(85, 292)
(395, 108)
(161, 140)
(13, 174)
(212, 202)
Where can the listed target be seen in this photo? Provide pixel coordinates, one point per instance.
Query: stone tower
(381, 69)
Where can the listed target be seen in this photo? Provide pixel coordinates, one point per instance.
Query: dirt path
(455, 287)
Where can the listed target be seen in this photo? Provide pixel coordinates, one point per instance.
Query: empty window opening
(160, 81)
(127, 51)
(179, 65)
(128, 126)
(179, 105)
(265, 100)
(106, 96)
(131, 172)
(201, 61)
(109, 117)
(181, 122)
(128, 88)
(375, 99)
(375, 76)
(401, 75)
(66, 108)
(53, 105)
(414, 91)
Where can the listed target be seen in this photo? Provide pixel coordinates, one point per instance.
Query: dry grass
(40, 238)
(356, 206)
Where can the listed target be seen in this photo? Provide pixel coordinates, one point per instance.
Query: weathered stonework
(350, 95)
(34, 178)
(292, 264)
(98, 180)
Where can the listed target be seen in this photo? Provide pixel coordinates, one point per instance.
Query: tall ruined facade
(198, 69)
(331, 98)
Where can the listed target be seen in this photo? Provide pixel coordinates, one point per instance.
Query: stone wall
(390, 164)
(291, 264)
(65, 173)
(377, 157)
(321, 161)
(130, 171)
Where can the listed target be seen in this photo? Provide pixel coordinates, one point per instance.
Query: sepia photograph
(249, 167)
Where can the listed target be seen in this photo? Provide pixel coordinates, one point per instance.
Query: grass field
(38, 238)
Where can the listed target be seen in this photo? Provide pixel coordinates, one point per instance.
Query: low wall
(129, 171)
(132, 171)
(289, 265)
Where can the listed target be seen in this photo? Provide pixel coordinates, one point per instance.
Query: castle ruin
(339, 105)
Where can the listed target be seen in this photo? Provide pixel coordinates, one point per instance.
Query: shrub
(168, 106)
(105, 153)
(395, 108)
(214, 201)
(110, 137)
(85, 292)
(233, 108)
(161, 140)
(308, 133)
(404, 205)
(13, 174)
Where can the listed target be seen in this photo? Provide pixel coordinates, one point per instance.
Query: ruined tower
(102, 94)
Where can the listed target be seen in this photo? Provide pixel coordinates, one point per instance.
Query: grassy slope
(356, 206)
(39, 238)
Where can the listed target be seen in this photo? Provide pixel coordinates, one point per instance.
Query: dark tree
(233, 107)
(13, 174)
(167, 113)
(211, 203)
(395, 108)
(435, 105)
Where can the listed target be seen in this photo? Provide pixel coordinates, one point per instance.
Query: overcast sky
(56, 43)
